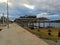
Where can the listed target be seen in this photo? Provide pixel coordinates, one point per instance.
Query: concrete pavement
(16, 35)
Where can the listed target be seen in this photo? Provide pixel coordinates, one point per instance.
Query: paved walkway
(16, 35)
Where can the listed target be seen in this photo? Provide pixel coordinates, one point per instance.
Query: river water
(57, 25)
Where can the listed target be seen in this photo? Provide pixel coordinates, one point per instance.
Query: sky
(41, 8)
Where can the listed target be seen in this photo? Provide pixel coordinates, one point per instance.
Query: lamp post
(7, 16)
(3, 18)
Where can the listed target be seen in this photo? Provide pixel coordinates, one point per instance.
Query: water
(57, 25)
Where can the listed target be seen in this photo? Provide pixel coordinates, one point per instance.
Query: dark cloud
(52, 7)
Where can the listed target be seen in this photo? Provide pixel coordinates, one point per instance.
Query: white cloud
(47, 15)
(29, 6)
(44, 14)
(10, 4)
(1, 1)
(7, 1)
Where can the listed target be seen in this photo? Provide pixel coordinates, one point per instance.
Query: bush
(31, 27)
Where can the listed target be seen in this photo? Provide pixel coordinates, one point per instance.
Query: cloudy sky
(42, 8)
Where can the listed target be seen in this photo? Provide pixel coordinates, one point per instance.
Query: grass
(43, 33)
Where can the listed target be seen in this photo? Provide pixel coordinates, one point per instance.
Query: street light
(3, 18)
(7, 16)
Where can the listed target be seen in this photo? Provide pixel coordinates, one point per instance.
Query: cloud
(34, 7)
(47, 15)
(29, 6)
(1, 1)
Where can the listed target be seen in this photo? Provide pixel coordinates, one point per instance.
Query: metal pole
(7, 16)
(3, 18)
